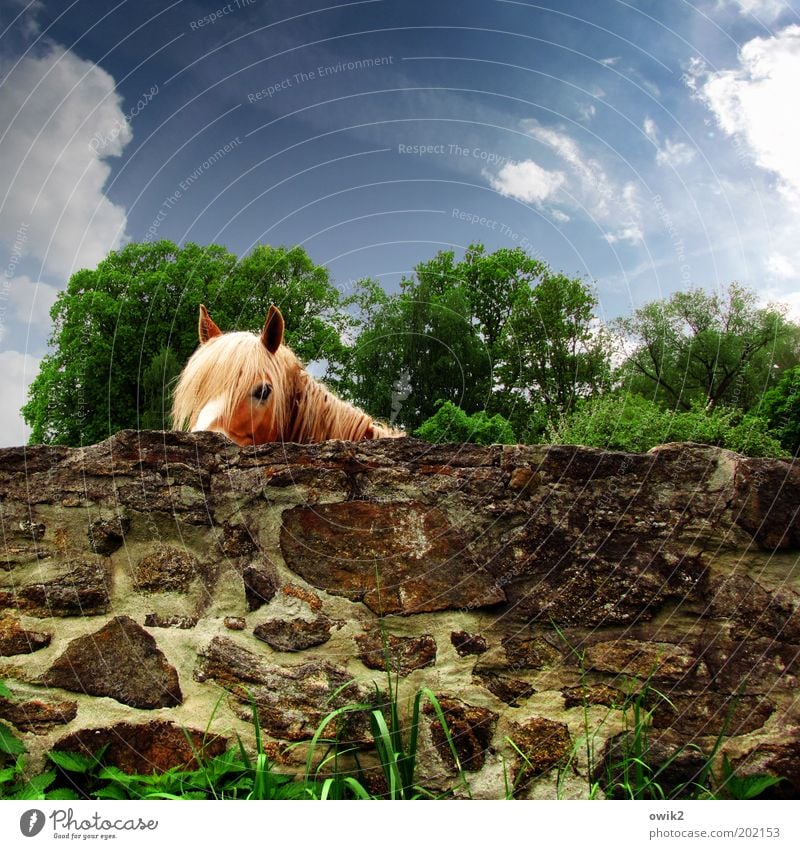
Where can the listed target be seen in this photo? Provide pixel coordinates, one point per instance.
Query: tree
(422, 345)
(158, 380)
(123, 330)
(781, 408)
(713, 349)
(497, 332)
(555, 350)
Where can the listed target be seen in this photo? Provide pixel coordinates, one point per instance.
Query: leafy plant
(451, 424)
(396, 743)
(629, 422)
(733, 786)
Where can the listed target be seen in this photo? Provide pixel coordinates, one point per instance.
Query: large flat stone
(121, 661)
(398, 557)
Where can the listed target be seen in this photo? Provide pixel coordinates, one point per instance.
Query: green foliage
(733, 786)
(10, 745)
(422, 339)
(122, 331)
(629, 422)
(554, 351)
(696, 348)
(158, 380)
(235, 774)
(451, 424)
(396, 742)
(498, 332)
(781, 409)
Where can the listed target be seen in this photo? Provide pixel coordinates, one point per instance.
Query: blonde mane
(228, 366)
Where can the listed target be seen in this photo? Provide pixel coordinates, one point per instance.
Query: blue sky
(645, 146)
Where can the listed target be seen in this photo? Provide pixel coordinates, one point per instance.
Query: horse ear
(206, 329)
(272, 332)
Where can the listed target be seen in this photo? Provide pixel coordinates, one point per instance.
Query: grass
(396, 745)
(629, 773)
(334, 768)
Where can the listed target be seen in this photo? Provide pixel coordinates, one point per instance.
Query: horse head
(236, 383)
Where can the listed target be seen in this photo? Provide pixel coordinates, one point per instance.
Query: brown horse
(254, 390)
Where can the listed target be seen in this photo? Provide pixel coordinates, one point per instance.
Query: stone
(107, 535)
(37, 716)
(82, 589)
(593, 694)
(142, 748)
(291, 701)
(670, 764)
(237, 541)
(471, 729)
(781, 759)
(121, 661)
(34, 531)
(658, 661)
(544, 744)
(166, 569)
(566, 574)
(529, 653)
(512, 691)
(397, 557)
(14, 639)
(260, 584)
(294, 634)
(711, 714)
(403, 654)
(755, 609)
(766, 499)
(294, 591)
(752, 666)
(466, 644)
(184, 623)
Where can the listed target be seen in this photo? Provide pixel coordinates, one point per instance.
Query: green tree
(713, 349)
(556, 352)
(158, 380)
(121, 331)
(422, 344)
(498, 332)
(781, 408)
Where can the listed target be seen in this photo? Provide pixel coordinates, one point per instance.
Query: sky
(645, 146)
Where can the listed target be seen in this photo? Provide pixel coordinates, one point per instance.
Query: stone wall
(162, 582)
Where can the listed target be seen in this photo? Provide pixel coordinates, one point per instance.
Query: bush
(451, 424)
(781, 408)
(633, 423)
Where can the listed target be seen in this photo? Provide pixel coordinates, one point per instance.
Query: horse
(254, 389)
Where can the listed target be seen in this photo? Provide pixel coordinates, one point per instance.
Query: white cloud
(629, 233)
(587, 185)
(16, 372)
(756, 104)
(668, 152)
(765, 10)
(526, 181)
(782, 267)
(62, 117)
(777, 297)
(31, 300)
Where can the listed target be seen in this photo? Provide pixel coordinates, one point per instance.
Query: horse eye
(262, 392)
